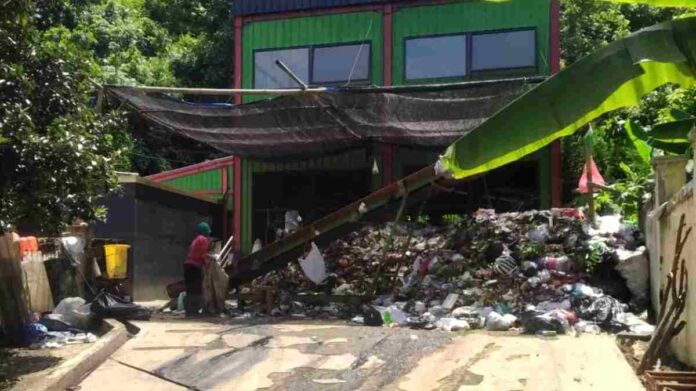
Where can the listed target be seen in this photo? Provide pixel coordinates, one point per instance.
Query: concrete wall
(159, 224)
(673, 198)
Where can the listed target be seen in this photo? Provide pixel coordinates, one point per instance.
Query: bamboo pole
(14, 308)
(225, 91)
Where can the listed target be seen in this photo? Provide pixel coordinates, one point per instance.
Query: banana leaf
(673, 132)
(645, 142)
(614, 77)
(635, 134)
(659, 3)
(670, 114)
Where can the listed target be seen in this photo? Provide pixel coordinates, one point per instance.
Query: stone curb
(70, 372)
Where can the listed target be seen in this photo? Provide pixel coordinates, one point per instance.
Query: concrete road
(310, 355)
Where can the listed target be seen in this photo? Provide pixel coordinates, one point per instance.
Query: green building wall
(470, 17)
(202, 181)
(313, 30)
(449, 18)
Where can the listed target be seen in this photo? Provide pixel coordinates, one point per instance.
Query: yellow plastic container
(116, 260)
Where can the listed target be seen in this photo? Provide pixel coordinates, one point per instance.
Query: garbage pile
(66, 325)
(73, 317)
(538, 271)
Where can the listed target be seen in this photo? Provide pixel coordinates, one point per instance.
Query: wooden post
(14, 308)
(588, 169)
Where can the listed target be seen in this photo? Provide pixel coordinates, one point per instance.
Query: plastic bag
(497, 322)
(313, 265)
(74, 311)
(452, 324)
(534, 322)
(605, 311)
(539, 234)
(371, 316)
(106, 305)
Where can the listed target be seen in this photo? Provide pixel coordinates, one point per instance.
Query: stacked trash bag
(543, 272)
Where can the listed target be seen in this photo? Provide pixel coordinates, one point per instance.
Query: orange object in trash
(28, 244)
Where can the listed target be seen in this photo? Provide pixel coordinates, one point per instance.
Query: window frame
(469, 72)
(310, 65)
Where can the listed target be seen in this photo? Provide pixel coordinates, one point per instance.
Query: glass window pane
(511, 49)
(436, 57)
(268, 75)
(341, 63)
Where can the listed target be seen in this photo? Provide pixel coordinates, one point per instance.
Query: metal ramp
(380, 205)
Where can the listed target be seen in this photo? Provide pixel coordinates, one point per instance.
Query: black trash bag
(417, 322)
(371, 316)
(603, 310)
(535, 321)
(58, 325)
(107, 305)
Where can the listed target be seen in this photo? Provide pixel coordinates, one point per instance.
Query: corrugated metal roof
(250, 7)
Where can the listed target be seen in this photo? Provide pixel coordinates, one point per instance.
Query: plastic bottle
(387, 318)
(561, 263)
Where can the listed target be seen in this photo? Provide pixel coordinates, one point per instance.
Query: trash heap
(541, 272)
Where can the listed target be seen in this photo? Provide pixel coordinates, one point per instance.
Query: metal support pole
(292, 74)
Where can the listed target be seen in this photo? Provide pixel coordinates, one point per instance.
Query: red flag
(597, 178)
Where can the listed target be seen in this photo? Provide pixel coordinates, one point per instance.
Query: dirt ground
(314, 355)
(26, 364)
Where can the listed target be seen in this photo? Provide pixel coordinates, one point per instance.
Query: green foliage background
(585, 26)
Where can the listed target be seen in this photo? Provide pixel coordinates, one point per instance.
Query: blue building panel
(251, 7)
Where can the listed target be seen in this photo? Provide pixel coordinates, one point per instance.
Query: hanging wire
(357, 56)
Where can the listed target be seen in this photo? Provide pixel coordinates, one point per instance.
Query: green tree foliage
(587, 25)
(155, 42)
(58, 156)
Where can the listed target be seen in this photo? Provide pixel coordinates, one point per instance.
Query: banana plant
(613, 77)
(671, 137)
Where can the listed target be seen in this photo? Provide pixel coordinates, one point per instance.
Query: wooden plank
(14, 309)
(38, 289)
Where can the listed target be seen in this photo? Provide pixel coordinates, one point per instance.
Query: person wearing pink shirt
(193, 270)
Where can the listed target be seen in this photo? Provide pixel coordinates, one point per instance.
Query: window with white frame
(313, 64)
(456, 56)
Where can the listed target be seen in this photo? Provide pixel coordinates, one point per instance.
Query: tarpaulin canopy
(312, 124)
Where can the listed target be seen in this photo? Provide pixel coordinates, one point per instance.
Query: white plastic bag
(497, 322)
(313, 265)
(74, 311)
(452, 324)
